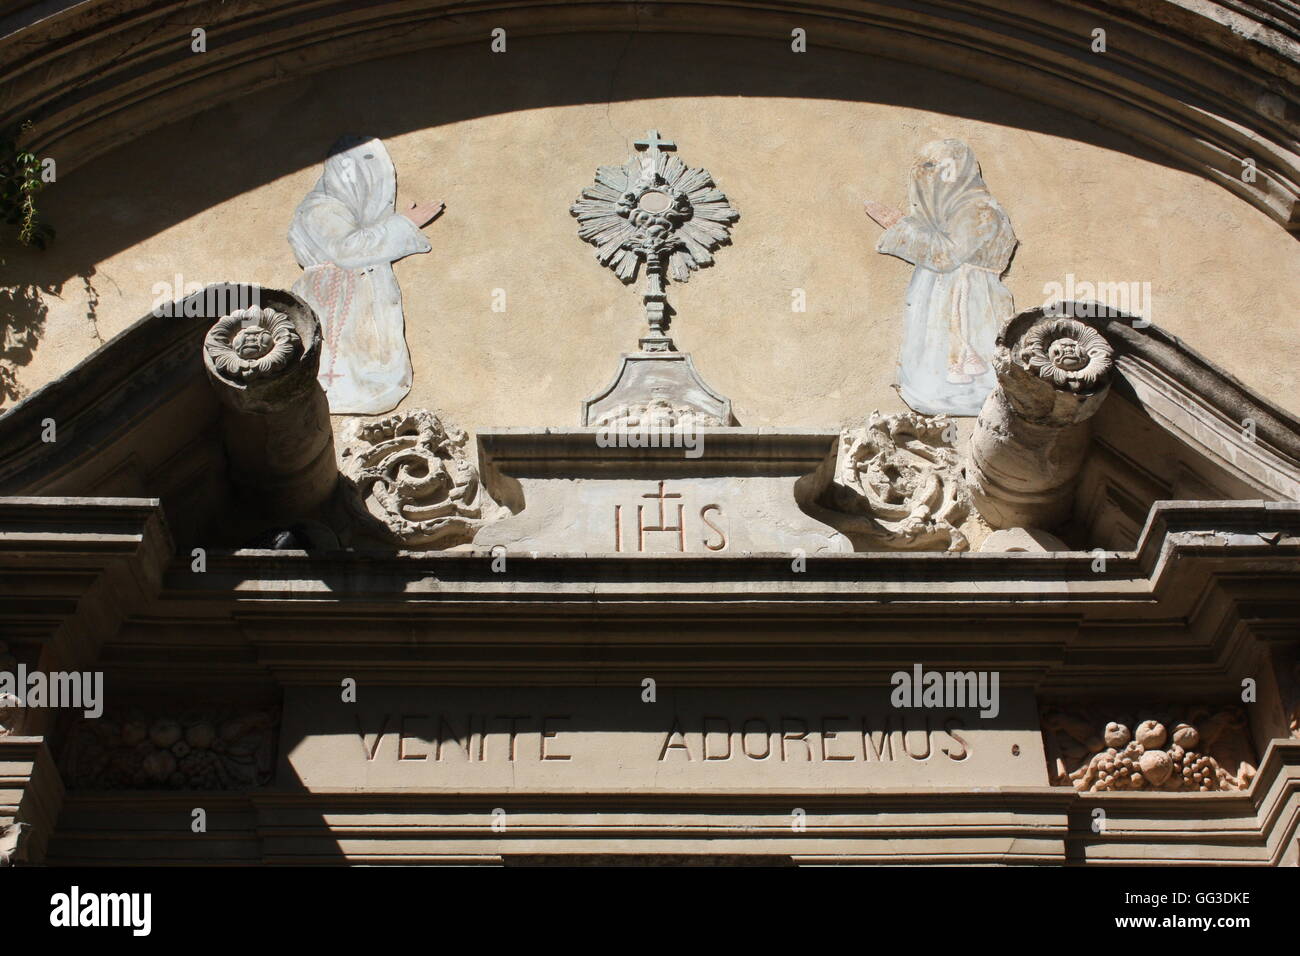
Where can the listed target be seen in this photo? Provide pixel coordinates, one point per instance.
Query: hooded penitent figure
(346, 236)
(961, 242)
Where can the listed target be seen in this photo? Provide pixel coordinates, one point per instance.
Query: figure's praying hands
(886, 216)
(423, 213)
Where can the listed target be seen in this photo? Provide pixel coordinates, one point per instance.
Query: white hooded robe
(961, 242)
(346, 235)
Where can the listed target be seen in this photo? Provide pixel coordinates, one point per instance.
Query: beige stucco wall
(796, 141)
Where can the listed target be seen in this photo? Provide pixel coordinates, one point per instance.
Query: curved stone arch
(1207, 85)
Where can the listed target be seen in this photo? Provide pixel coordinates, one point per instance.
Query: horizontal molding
(989, 825)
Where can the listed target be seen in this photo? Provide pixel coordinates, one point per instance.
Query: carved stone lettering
(459, 739)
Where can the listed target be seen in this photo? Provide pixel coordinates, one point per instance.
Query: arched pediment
(1207, 86)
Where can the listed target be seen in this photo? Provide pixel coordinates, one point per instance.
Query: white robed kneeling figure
(346, 235)
(961, 242)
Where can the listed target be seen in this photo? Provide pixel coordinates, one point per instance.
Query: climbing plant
(20, 181)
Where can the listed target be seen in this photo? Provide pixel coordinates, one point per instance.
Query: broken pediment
(257, 450)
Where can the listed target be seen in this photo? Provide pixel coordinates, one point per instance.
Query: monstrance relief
(656, 212)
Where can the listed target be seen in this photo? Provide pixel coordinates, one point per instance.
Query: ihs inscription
(668, 516)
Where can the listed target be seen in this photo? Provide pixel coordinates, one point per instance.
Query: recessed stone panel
(608, 739)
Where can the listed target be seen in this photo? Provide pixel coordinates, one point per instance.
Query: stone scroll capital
(1053, 369)
(261, 361)
(263, 358)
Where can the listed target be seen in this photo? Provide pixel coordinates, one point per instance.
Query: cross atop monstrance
(657, 210)
(654, 143)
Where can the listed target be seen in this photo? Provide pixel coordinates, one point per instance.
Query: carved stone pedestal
(262, 362)
(1032, 434)
(661, 388)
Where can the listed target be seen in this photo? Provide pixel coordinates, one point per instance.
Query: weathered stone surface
(660, 389)
(262, 364)
(1022, 539)
(746, 648)
(217, 748)
(903, 475)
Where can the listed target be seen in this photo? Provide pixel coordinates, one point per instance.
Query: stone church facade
(657, 541)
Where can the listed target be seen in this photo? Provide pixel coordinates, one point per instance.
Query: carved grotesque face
(1065, 353)
(252, 342)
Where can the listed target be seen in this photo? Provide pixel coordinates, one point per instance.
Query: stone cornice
(1267, 534)
(868, 825)
(1208, 583)
(72, 569)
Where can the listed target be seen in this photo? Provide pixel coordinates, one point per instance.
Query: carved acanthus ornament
(902, 472)
(1199, 750)
(411, 475)
(252, 344)
(201, 750)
